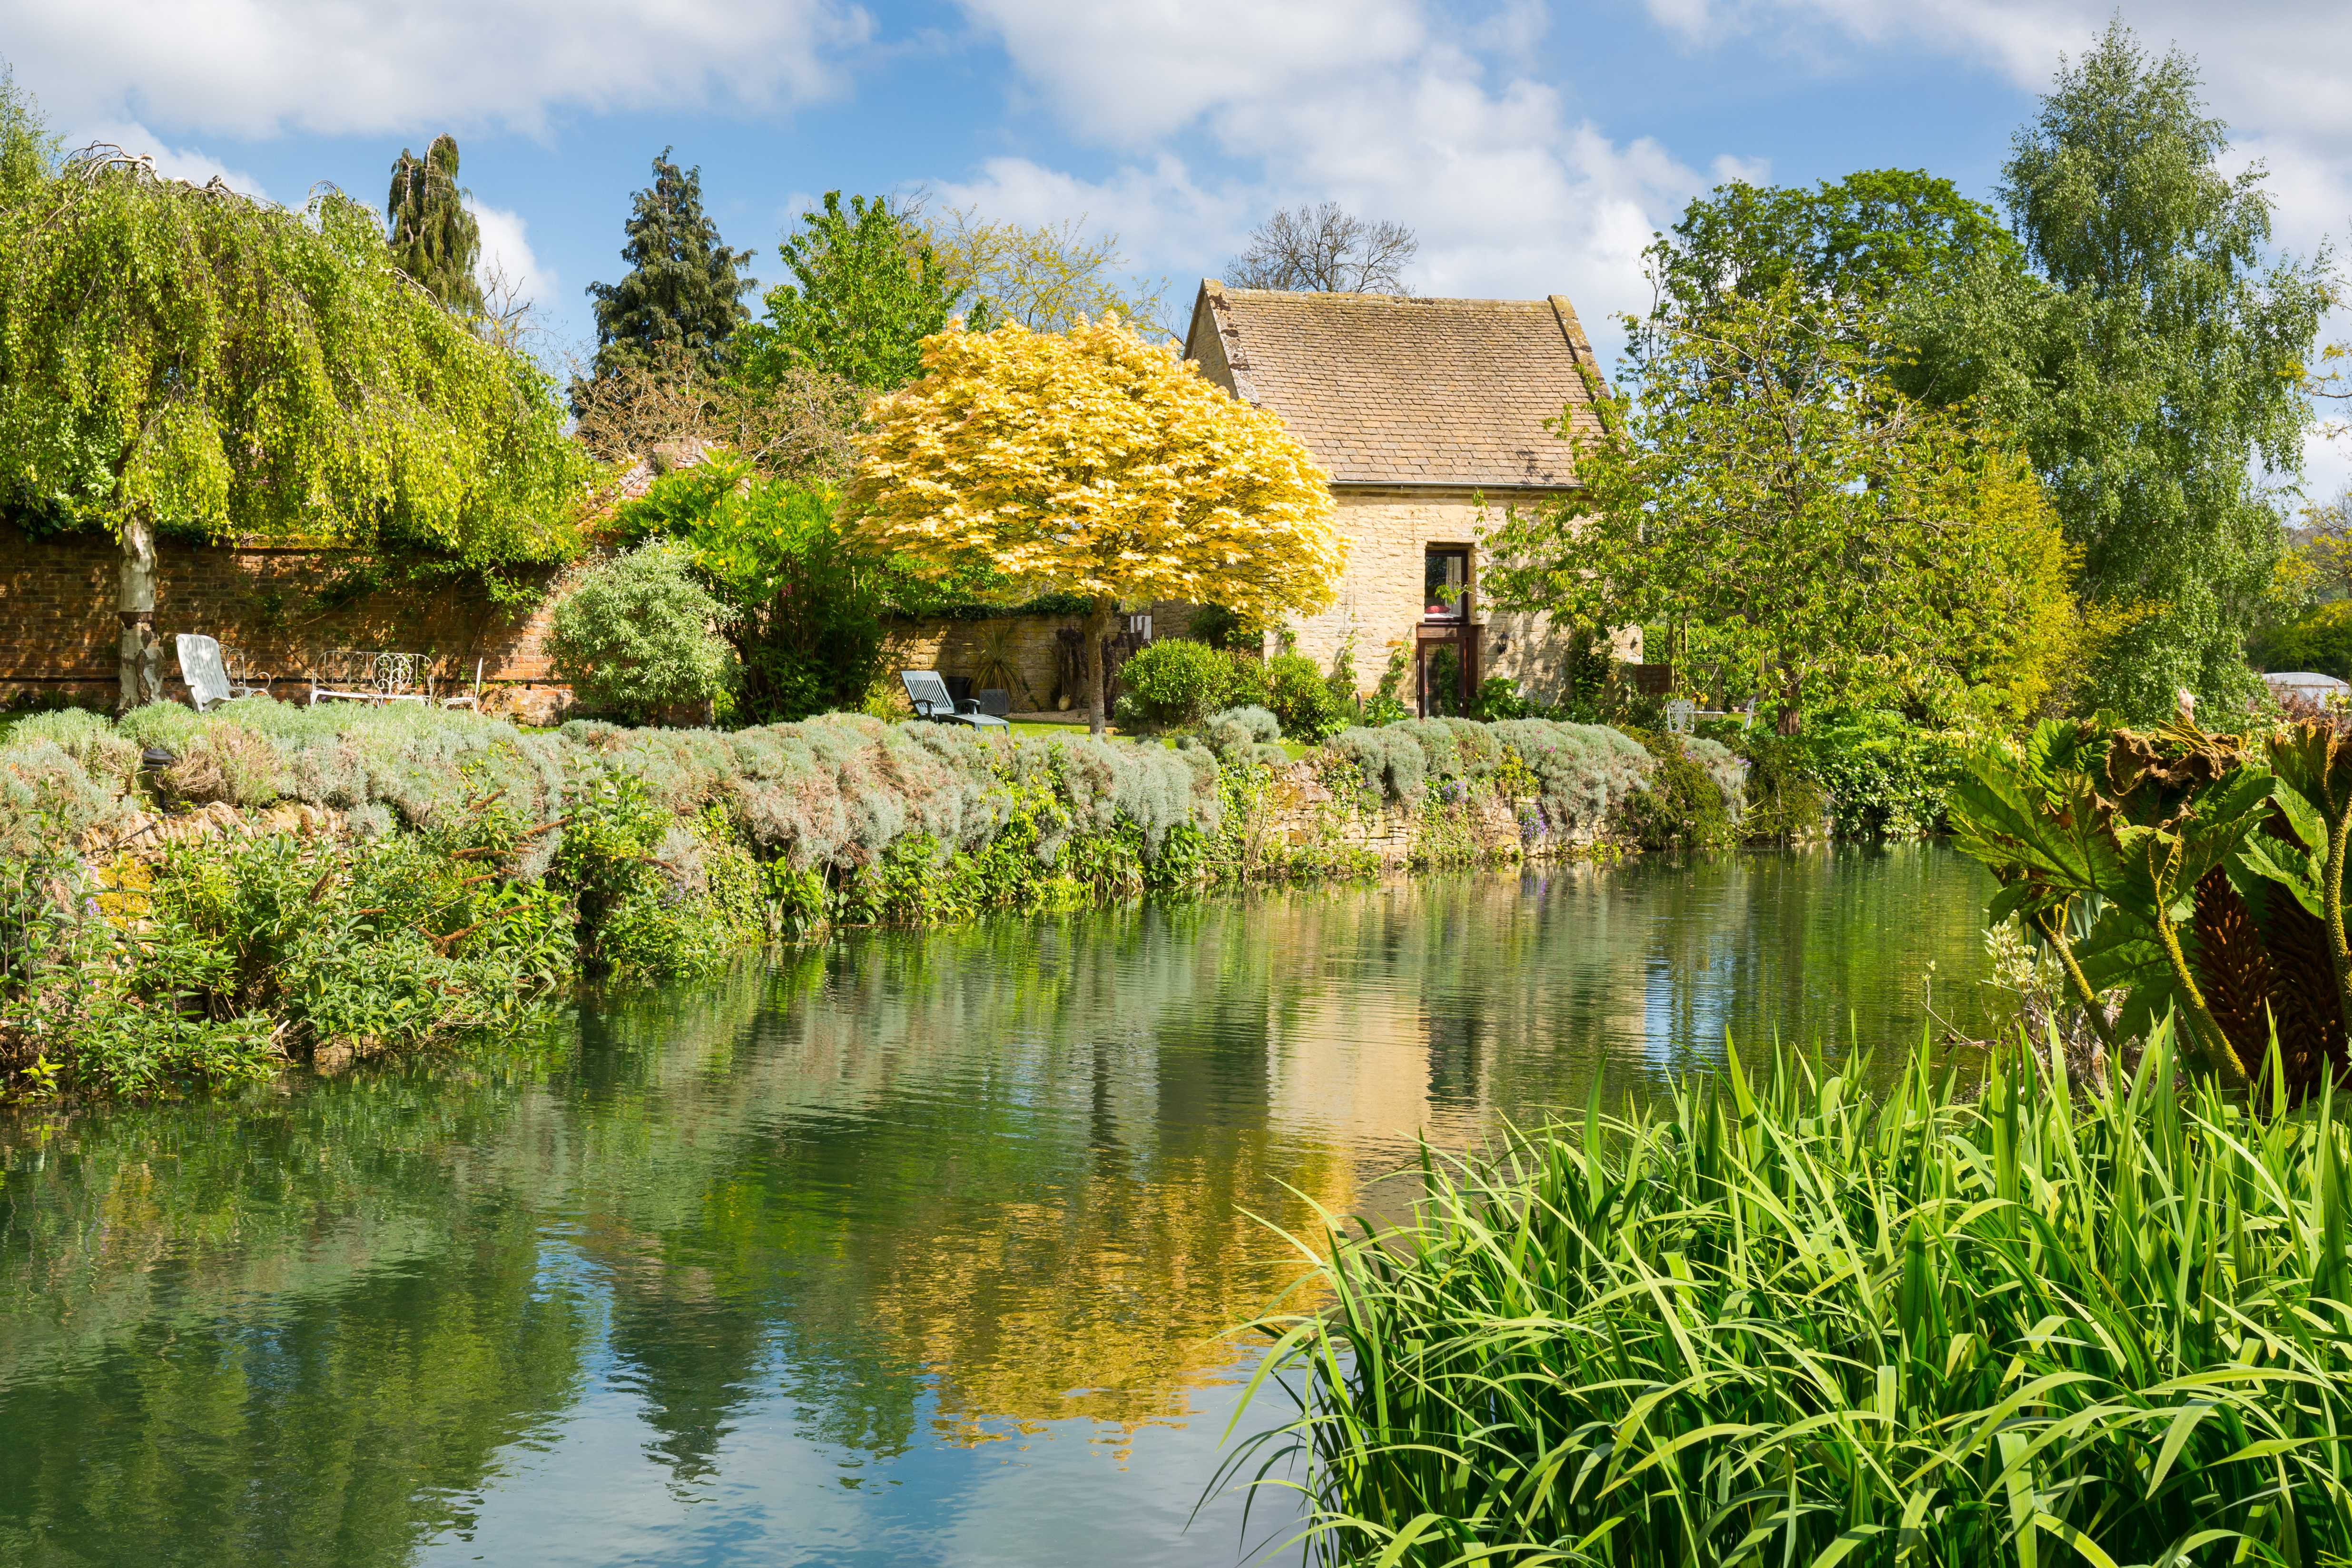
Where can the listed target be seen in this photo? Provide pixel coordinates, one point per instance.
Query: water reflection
(913, 1247)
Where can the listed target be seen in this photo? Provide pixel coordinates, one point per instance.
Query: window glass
(1446, 574)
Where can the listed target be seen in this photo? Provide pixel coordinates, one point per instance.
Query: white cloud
(2281, 69)
(506, 251)
(255, 68)
(1145, 68)
(173, 162)
(1373, 105)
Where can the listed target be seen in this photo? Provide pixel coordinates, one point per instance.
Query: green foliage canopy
(1766, 480)
(869, 288)
(433, 238)
(681, 293)
(1874, 237)
(176, 354)
(805, 605)
(2154, 362)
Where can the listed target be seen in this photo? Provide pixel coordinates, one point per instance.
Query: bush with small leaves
(639, 634)
(1240, 735)
(1173, 681)
(1299, 696)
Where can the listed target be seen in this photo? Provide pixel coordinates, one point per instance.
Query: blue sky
(1533, 147)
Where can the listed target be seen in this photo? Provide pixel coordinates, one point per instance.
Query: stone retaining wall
(1308, 824)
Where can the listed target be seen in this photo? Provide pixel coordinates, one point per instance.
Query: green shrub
(1498, 698)
(1884, 776)
(1246, 684)
(808, 632)
(1239, 736)
(638, 634)
(69, 1015)
(1174, 681)
(1785, 801)
(389, 942)
(2320, 641)
(1787, 1322)
(1686, 805)
(1297, 695)
(656, 894)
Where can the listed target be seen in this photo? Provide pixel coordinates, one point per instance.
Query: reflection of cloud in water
(914, 1247)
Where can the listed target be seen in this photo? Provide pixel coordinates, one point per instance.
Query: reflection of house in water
(1352, 1066)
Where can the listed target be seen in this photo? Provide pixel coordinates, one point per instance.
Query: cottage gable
(1395, 390)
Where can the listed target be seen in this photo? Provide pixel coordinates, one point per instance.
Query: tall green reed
(1786, 1321)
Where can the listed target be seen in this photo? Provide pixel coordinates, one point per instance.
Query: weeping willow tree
(181, 355)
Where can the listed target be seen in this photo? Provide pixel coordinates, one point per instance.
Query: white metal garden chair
(371, 675)
(206, 666)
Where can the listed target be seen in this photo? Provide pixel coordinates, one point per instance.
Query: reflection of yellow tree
(1005, 1172)
(1112, 1303)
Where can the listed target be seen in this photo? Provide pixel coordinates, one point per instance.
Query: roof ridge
(1406, 389)
(1318, 295)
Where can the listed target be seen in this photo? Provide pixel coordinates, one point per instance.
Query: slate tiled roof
(1398, 390)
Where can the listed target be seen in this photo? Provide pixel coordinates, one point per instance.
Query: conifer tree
(435, 239)
(680, 302)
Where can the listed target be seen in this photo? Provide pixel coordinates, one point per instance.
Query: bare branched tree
(799, 428)
(1326, 249)
(510, 317)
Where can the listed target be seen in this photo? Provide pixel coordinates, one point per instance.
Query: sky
(1533, 148)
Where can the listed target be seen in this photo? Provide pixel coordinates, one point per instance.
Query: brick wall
(59, 632)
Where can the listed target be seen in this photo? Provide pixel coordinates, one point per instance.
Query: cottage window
(1446, 582)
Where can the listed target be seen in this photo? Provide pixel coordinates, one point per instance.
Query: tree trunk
(1791, 713)
(1098, 621)
(141, 660)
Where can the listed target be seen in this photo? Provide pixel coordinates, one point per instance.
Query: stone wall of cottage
(1389, 529)
(1030, 644)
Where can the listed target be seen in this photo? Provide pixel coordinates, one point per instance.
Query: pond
(909, 1247)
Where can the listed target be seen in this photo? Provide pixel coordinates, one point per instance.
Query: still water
(914, 1247)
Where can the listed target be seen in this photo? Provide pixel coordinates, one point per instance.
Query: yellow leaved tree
(1091, 462)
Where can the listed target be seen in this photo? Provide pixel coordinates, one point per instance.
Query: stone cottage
(1431, 417)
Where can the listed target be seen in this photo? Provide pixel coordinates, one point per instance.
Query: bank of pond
(192, 901)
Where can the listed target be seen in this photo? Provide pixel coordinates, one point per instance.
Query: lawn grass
(1791, 1323)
